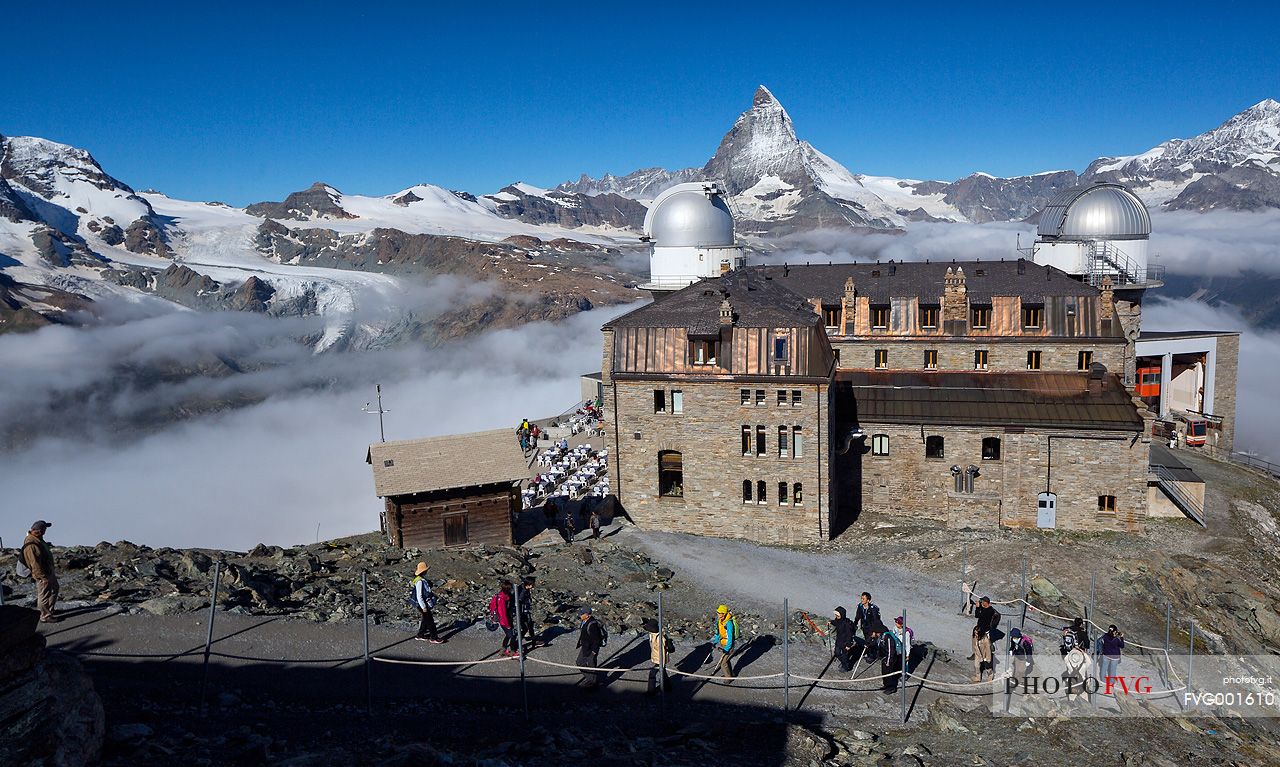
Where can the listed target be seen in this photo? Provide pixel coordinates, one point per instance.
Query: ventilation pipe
(969, 475)
(958, 477)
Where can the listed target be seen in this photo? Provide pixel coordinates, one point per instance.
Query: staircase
(1164, 479)
(1106, 260)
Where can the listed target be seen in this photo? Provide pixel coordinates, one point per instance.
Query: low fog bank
(273, 471)
(1257, 418)
(1220, 243)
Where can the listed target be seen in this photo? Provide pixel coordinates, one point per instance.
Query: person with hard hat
(725, 637)
(425, 600)
(37, 555)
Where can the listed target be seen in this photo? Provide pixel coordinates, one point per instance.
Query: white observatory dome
(1097, 212)
(690, 215)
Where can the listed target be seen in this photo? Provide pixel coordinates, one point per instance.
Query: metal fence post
(1191, 654)
(786, 656)
(1, 579)
(368, 669)
(1093, 589)
(524, 688)
(1168, 625)
(208, 642)
(662, 655)
(1022, 622)
(905, 649)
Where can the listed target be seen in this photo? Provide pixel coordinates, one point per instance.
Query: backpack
(604, 633)
(1068, 642)
(21, 569)
(491, 621)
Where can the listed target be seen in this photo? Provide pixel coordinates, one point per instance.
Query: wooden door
(455, 530)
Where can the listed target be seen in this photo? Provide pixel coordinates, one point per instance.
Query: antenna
(382, 432)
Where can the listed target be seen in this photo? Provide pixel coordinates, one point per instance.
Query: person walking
(1112, 645)
(501, 611)
(842, 631)
(591, 637)
(1021, 648)
(987, 618)
(1074, 636)
(570, 525)
(1076, 663)
(524, 602)
(660, 648)
(595, 523)
(37, 555)
(724, 638)
(425, 600)
(867, 616)
(891, 651)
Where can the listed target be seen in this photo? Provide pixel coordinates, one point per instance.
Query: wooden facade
(454, 517)
(741, 351)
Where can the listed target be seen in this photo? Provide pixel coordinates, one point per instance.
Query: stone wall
(1003, 354)
(1005, 492)
(708, 435)
(1225, 380)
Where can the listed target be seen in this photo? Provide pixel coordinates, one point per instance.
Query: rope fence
(1158, 656)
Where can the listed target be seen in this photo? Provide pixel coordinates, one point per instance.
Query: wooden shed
(449, 491)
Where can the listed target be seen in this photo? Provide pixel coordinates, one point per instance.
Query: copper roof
(1041, 400)
(443, 463)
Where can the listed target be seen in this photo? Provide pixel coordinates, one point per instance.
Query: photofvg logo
(1138, 685)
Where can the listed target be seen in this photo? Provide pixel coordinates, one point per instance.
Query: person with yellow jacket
(725, 638)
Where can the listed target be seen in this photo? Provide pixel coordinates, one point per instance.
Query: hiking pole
(662, 655)
(524, 688)
(208, 642)
(786, 657)
(368, 669)
(906, 654)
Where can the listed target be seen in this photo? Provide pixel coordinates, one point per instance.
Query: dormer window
(879, 317)
(1032, 317)
(929, 317)
(980, 317)
(704, 352)
(780, 349)
(831, 318)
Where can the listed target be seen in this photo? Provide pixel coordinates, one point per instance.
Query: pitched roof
(917, 279)
(442, 463)
(758, 302)
(1048, 400)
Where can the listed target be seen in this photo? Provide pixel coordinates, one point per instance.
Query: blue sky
(253, 100)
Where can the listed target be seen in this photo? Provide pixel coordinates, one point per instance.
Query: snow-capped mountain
(779, 183)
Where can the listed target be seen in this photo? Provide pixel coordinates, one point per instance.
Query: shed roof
(1040, 400)
(1163, 456)
(444, 463)
(882, 282)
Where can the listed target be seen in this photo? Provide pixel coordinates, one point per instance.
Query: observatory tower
(690, 233)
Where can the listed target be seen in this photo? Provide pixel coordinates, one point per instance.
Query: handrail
(1167, 482)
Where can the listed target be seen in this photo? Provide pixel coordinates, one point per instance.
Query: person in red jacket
(501, 608)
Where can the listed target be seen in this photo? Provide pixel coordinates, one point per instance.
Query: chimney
(1022, 266)
(1106, 299)
(726, 313)
(848, 306)
(955, 303)
(1098, 379)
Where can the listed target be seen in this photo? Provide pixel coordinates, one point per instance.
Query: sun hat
(422, 568)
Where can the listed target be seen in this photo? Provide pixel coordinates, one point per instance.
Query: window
(882, 359)
(991, 449)
(782, 397)
(746, 491)
(880, 444)
(670, 474)
(704, 352)
(928, 316)
(782, 493)
(795, 398)
(1106, 504)
(879, 317)
(797, 442)
(980, 317)
(831, 317)
(1032, 316)
(659, 401)
(1084, 360)
(1033, 359)
(760, 493)
(782, 442)
(930, 359)
(746, 440)
(980, 359)
(677, 401)
(759, 397)
(797, 493)
(780, 349)
(933, 447)
(746, 396)
(759, 440)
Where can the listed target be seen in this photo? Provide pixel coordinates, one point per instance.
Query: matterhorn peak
(763, 97)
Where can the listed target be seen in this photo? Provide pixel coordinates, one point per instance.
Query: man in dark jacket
(590, 639)
(867, 616)
(524, 602)
(38, 556)
(845, 642)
